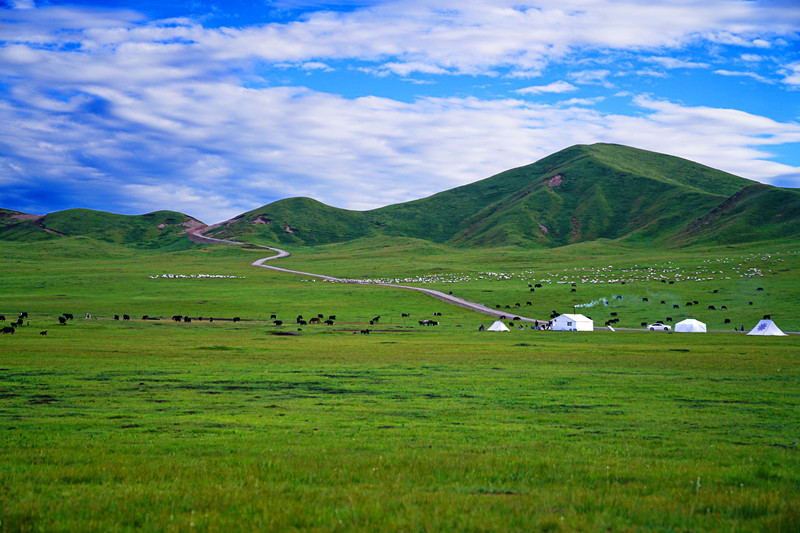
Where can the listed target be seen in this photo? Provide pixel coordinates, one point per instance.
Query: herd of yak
(300, 321)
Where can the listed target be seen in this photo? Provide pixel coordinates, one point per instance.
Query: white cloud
(791, 74)
(751, 75)
(592, 77)
(103, 105)
(555, 87)
(673, 62)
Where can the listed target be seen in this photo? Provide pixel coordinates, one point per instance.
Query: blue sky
(215, 108)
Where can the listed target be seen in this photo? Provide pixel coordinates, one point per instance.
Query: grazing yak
(7, 329)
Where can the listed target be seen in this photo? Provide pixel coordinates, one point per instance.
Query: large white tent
(766, 327)
(498, 326)
(690, 325)
(572, 323)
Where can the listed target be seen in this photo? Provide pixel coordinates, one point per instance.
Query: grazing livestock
(405, 315)
(378, 318)
(3, 317)
(365, 332)
(727, 321)
(711, 308)
(716, 291)
(313, 320)
(126, 317)
(695, 302)
(643, 324)
(538, 285)
(332, 317)
(43, 332)
(177, 318)
(750, 303)
(187, 319)
(116, 317)
(299, 318)
(277, 322)
(329, 322)
(23, 314)
(236, 319)
(8, 329)
(760, 289)
(68, 316)
(573, 290)
(724, 307)
(676, 306)
(688, 304)
(767, 317)
(663, 302)
(62, 320)
(669, 319)
(528, 303)
(302, 323)
(645, 300)
(613, 314)
(273, 317)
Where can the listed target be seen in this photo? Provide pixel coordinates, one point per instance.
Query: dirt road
(197, 236)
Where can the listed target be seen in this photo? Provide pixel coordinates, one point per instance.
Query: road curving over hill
(196, 235)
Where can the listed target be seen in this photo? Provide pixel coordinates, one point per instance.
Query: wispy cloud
(555, 87)
(743, 74)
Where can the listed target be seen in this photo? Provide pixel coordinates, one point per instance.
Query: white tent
(690, 325)
(572, 323)
(497, 326)
(766, 327)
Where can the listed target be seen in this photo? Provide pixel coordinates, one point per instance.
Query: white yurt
(690, 325)
(568, 322)
(766, 327)
(497, 326)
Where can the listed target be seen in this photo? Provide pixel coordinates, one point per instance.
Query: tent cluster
(577, 322)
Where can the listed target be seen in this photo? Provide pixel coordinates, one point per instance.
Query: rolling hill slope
(160, 229)
(579, 194)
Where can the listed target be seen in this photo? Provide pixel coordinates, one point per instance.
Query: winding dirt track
(198, 237)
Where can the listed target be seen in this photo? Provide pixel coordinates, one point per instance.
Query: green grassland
(224, 426)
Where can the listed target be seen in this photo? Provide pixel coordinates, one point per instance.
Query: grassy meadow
(224, 426)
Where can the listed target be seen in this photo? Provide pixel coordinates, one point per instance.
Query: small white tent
(572, 323)
(766, 327)
(690, 325)
(497, 326)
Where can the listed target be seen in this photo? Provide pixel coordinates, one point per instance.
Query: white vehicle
(658, 326)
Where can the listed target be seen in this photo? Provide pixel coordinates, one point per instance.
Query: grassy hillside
(160, 229)
(22, 227)
(579, 194)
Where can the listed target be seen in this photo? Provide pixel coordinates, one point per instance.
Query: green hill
(579, 194)
(160, 229)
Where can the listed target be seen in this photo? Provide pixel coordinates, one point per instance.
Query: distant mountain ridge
(581, 193)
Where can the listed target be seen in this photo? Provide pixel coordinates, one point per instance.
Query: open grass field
(152, 424)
